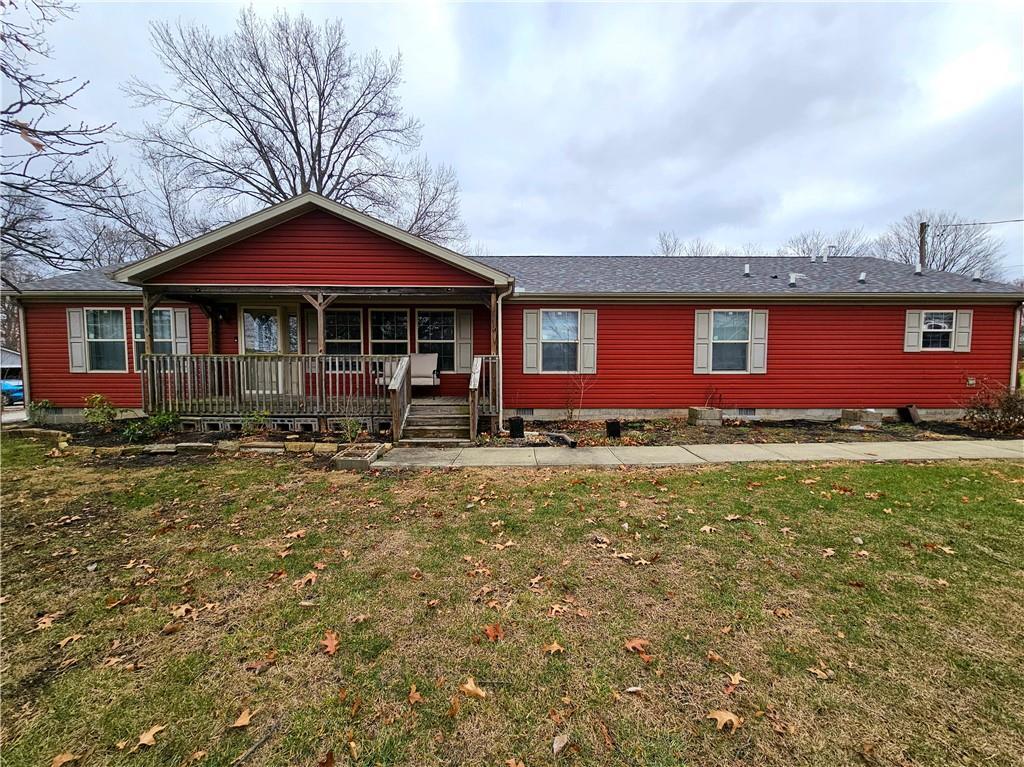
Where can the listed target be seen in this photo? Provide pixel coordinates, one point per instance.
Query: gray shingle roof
(713, 275)
(86, 281)
(769, 276)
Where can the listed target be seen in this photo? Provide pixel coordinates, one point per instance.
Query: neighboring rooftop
(652, 275)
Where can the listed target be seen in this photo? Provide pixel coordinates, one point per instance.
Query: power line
(981, 223)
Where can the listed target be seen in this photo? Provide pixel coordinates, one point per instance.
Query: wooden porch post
(149, 302)
(320, 303)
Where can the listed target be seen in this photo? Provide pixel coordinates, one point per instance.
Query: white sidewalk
(702, 454)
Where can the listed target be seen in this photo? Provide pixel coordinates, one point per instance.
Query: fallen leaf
(195, 756)
(782, 612)
(826, 553)
(328, 760)
(243, 719)
(725, 719)
(361, 618)
(148, 738)
(551, 649)
(66, 758)
(330, 642)
(494, 632)
(414, 696)
(637, 644)
(67, 640)
(469, 687)
(714, 657)
(453, 709)
(296, 534)
(559, 743)
(306, 580)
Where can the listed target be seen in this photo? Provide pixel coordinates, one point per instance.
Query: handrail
(400, 394)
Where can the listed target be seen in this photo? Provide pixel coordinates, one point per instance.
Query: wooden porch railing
(356, 385)
(484, 391)
(400, 396)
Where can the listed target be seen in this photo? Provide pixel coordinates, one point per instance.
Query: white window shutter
(464, 341)
(964, 324)
(76, 340)
(702, 342)
(179, 330)
(588, 341)
(912, 332)
(759, 341)
(531, 341)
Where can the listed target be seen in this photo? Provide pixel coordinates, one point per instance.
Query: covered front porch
(319, 359)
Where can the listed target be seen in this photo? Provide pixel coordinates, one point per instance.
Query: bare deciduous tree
(845, 242)
(282, 107)
(43, 172)
(951, 247)
(669, 244)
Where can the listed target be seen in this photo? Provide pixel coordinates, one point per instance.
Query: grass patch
(902, 584)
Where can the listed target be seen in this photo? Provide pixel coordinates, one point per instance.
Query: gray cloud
(587, 128)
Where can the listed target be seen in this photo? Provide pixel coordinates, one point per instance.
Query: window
(389, 331)
(435, 333)
(163, 339)
(937, 330)
(560, 340)
(730, 341)
(106, 347)
(343, 331)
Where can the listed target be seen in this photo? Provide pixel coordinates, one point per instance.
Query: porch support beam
(397, 291)
(494, 322)
(149, 302)
(320, 302)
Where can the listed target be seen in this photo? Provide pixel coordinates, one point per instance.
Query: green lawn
(874, 612)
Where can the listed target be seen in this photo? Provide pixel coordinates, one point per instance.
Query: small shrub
(997, 410)
(134, 431)
(39, 411)
(162, 423)
(255, 422)
(350, 429)
(100, 412)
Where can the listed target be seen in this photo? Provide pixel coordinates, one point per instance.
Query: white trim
(282, 327)
(283, 211)
(85, 330)
(343, 310)
(455, 338)
(1014, 361)
(135, 340)
(951, 331)
(712, 342)
(393, 310)
(541, 342)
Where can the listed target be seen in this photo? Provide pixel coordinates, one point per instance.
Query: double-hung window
(435, 333)
(560, 340)
(389, 331)
(937, 330)
(343, 331)
(730, 341)
(106, 347)
(163, 339)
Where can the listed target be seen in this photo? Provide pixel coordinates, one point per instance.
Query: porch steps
(436, 424)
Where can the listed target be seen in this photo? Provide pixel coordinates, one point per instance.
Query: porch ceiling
(376, 293)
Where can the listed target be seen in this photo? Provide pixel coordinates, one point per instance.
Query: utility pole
(922, 244)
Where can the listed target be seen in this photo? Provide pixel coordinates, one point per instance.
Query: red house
(308, 313)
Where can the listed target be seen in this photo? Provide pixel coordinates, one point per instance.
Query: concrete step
(432, 442)
(433, 432)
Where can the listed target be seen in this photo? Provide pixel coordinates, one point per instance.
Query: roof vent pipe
(746, 270)
(830, 252)
(863, 278)
(792, 279)
(917, 269)
(813, 258)
(977, 276)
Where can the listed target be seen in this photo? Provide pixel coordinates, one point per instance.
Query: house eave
(762, 298)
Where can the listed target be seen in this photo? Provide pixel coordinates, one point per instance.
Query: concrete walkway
(409, 457)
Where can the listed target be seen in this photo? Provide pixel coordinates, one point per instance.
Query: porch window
(389, 331)
(937, 330)
(163, 338)
(106, 347)
(343, 331)
(730, 341)
(435, 333)
(261, 329)
(560, 340)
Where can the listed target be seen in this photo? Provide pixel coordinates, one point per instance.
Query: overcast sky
(586, 129)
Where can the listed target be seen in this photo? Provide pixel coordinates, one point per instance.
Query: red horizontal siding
(818, 357)
(317, 249)
(50, 377)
